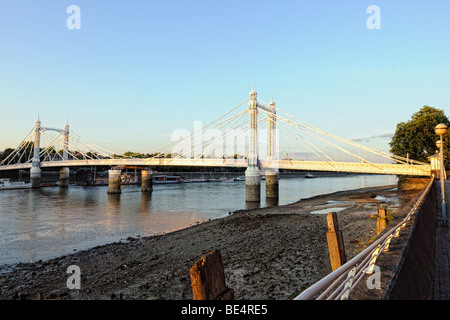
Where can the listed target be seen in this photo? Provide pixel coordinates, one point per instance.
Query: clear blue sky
(137, 70)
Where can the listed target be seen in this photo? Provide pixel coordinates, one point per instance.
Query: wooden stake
(208, 278)
(381, 221)
(335, 242)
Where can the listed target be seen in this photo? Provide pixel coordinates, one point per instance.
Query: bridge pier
(272, 184)
(35, 177)
(253, 184)
(64, 177)
(114, 181)
(146, 181)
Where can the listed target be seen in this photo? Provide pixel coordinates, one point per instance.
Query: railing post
(335, 242)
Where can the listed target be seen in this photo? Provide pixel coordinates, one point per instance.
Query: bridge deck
(355, 167)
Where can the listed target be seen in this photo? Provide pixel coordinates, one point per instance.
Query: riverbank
(268, 253)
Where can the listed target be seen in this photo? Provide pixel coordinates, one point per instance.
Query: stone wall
(412, 279)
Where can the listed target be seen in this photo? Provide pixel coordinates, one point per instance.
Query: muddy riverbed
(268, 253)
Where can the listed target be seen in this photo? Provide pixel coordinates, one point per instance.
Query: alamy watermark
(74, 20)
(374, 280)
(374, 20)
(74, 280)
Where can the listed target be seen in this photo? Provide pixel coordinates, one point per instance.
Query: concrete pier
(253, 184)
(146, 180)
(35, 177)
(64, 177)
(114, 182)
(272, 190)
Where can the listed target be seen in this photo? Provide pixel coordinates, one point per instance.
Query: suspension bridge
(258, 136)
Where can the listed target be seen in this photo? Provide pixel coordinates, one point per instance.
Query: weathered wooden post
(335, 242)
(381, 220)
(208, 278)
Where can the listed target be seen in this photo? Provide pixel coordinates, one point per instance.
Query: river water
(44, 223)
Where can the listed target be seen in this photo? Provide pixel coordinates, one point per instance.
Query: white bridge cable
(229, 134)
(236, 142)
(357, 145)
(184, 140)
(195, 134)
(193, 149)
(50, 142)
(302, 128)
(293, 133)
(211, 144)
(317, 154)
(90, 146)
(192, 134)
(12, 155)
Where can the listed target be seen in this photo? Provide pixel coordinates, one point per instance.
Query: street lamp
(440, 130)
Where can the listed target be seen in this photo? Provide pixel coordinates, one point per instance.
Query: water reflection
(113, 204)
(51, 221)
(146, 197)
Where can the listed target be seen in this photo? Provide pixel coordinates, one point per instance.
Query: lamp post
(440, 130)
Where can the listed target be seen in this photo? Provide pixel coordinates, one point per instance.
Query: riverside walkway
(442, 256)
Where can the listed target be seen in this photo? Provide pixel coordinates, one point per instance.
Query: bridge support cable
(203, 135)
(208, 146)
(395, 158)
(170, 145)
(211, 145)
(239, 132)
(87, 146)
(309, 148)
(17, 152)
(300, 127)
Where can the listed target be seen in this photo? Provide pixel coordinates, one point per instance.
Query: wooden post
(381, 220)
(208, 278)
(335, 242)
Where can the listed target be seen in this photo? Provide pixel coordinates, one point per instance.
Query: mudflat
(268, 253)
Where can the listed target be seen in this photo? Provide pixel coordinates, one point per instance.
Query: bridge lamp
(440, 130)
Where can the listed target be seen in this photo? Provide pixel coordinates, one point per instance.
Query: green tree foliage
(417, 137)
(6, 153)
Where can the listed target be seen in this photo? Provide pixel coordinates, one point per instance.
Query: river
(44, 223)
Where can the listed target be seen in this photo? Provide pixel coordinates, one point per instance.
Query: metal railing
(338, 284)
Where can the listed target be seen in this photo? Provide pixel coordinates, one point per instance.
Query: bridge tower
(272, 190)
(35, 172)
(253, 173)
(64, 173)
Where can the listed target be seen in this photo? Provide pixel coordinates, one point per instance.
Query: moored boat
(161, 179)
(6, 184)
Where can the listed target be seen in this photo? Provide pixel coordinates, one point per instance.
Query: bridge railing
(339, 284)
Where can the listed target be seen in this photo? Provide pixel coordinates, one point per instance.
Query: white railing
(339, 283)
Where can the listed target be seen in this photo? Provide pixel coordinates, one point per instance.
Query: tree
(417, 138)
(6, 153)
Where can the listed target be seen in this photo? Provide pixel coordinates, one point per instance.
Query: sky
(137, 70)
